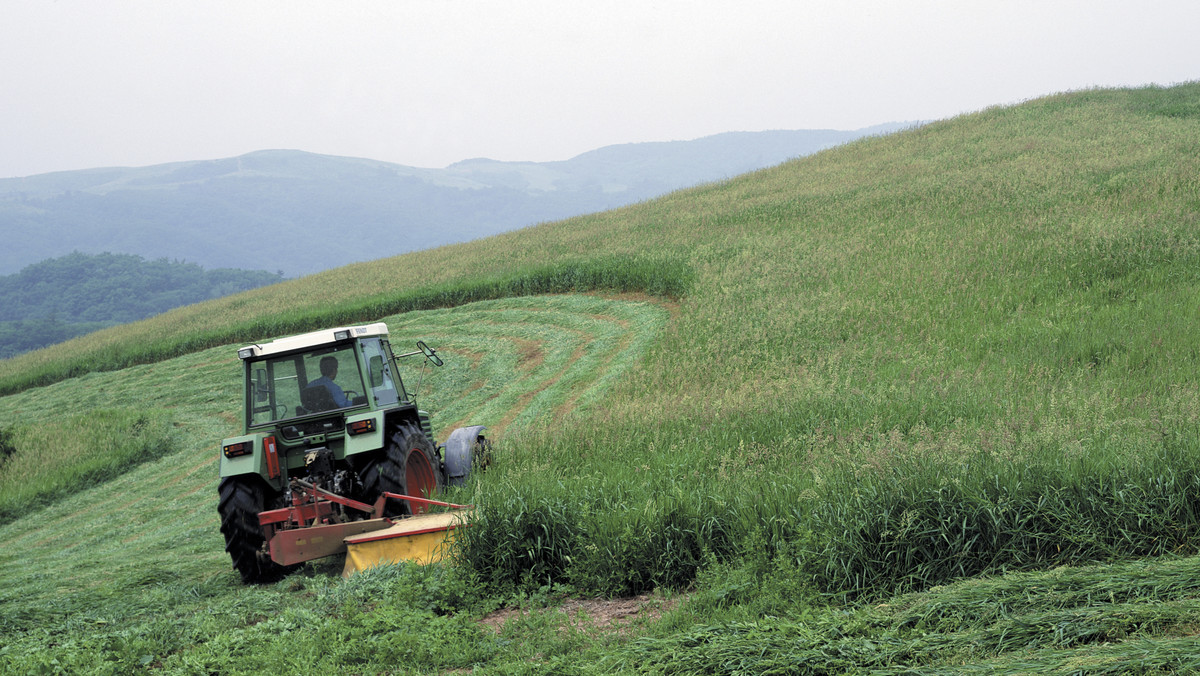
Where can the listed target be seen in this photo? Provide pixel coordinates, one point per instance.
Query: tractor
(333, 447)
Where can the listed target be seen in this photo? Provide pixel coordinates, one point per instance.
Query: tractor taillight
(272, 457)
(361, 426)
(238, 449)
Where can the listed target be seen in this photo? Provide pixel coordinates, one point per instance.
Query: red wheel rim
(419, 479)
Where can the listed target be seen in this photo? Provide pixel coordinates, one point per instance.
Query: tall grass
(918, 525)
(992, 315)
(618, 518)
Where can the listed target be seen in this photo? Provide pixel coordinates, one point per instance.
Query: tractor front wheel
(409, 466)
(241, 499)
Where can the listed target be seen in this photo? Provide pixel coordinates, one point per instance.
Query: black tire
(409, 466)
(242, 498)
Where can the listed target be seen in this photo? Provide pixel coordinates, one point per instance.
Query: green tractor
(334, 446)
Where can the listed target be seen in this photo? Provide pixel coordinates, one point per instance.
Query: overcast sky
(427, 83)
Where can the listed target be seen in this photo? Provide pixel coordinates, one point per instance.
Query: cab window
(379, 372)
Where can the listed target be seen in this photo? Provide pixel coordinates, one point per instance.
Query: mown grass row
(1128, 618)
(514, 361)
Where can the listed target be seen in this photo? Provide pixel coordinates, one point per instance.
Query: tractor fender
(253, 460)
(461, 448)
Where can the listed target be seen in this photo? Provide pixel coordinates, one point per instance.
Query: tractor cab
(350, 369)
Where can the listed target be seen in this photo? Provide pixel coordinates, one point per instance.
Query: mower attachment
(316, 524)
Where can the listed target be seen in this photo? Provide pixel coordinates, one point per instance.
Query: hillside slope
(302, 213)
(960, 350)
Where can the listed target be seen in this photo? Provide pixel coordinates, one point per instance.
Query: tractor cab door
(385, 387)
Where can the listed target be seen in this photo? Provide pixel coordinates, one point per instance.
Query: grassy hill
(864, 407)
(301, 213)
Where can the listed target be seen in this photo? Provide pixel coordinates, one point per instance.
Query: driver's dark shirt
(335, 391)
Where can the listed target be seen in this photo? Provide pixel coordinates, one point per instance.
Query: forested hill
(60, 298)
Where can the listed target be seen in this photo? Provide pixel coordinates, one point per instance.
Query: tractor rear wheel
(241, 499)
(409, 466)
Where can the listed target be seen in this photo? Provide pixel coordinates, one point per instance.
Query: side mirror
(375, 368)
(262, 390)
(429, 353)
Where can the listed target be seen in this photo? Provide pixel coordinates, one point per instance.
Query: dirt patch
(672, 306)
(592, 614)
(530, 354)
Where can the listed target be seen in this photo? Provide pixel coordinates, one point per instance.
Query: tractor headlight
(341, 335)
(245, 353)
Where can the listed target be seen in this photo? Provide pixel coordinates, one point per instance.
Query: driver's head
(329, 367)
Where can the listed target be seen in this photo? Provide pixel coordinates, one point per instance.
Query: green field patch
(147, 539)
(50, 459)
(960, 350)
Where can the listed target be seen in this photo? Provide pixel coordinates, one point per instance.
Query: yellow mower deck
(423, 539)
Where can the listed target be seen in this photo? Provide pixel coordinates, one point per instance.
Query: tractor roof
(314, 339)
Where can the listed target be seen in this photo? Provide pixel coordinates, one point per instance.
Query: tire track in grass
(586, 342)
(568, 406)
(526, 400)
(526, 403)
(640, 334)
(531, 376)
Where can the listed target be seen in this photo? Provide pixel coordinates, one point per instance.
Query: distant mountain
(299, 213)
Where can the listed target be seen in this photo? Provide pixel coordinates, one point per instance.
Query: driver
(329, 369)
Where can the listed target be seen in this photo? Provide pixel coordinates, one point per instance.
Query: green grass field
(925, 403)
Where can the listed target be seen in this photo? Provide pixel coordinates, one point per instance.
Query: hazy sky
(427, 83)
